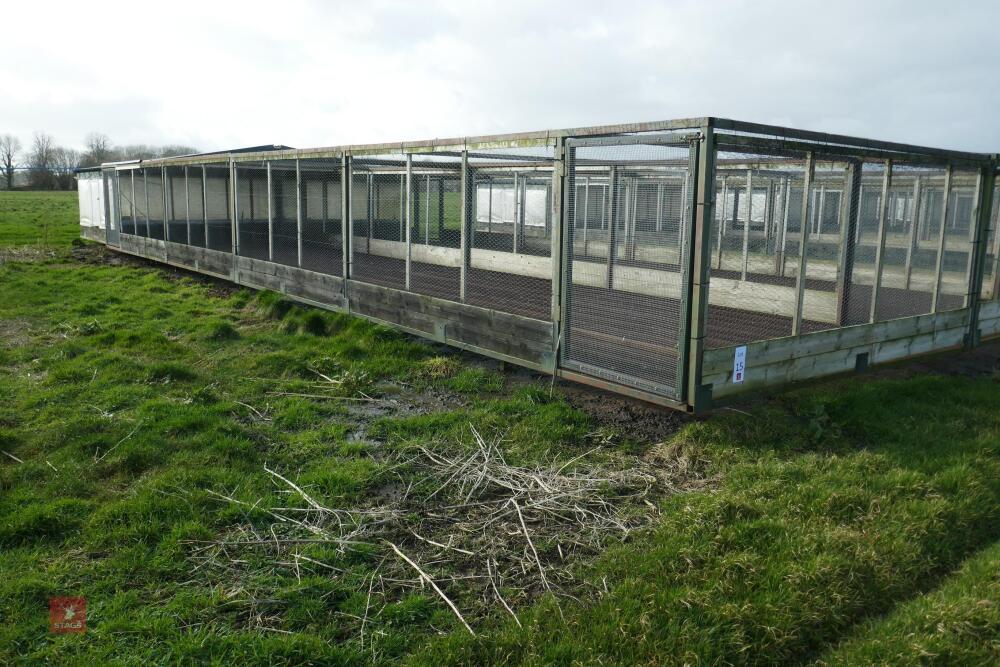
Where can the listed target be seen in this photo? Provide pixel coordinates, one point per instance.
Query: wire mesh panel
(510, 239)
(624, 313)
(218, 221)
(109, 180)
(865, 242)
(959, 238)
(254, 211)
(285, 208)
(909, 256)
(758, 232)
(194, 202)
(991, 290)
(830, 214)
(126, 205)
(378, 209)
(322, 212)
(435, 225)
(141, 202)
(590, 220)
(496, 207)
(177, 208)
(157, 204)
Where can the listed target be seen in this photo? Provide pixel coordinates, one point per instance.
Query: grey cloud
(319, 74)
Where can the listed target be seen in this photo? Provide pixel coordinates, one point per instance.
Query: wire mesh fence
(126, 201)
(194, 202)
(322, 215)
(155, 204)
(254, 213)
(624, 292)
(757, 248)
(217, 186)
(874, 240)
(378, 220)
(590, 240)
(991, 270)
(177, 206)
(509, 199)
(433, 253)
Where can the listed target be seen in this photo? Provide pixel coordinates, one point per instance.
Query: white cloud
(225, 74)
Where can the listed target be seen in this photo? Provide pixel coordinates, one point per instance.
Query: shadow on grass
(838, 503)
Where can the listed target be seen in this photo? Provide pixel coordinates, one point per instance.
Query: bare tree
(40, 162)
(64, 162)
(9, 149)
(99, 150)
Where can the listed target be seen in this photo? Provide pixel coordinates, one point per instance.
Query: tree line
(48, 166)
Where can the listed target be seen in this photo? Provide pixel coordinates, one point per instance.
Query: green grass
(47, 219)
(955, 624)
(853, 522)
(812, 532)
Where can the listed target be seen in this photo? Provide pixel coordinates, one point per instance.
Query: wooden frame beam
(699, 268)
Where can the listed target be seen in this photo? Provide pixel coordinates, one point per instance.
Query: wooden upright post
(849, 213)
(883, 225)
(270, 215)
(409, 216)
(984, 210)
(561, 224)
(613, 203)
(942, 236)
(915, 221)
(721, 231)
(974, 239)
(746, 227)
(298, 213)
(700, 269)
(187, 204)
(204, 201)
(346, 224)
(800, 277)
(466, 224)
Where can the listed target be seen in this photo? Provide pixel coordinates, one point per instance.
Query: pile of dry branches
(481, 533)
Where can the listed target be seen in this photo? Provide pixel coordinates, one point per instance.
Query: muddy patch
(399, 402)
(642, 422)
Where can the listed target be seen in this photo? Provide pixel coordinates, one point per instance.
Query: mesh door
(625, 291)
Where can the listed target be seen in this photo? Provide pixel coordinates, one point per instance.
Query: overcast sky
(220, 75)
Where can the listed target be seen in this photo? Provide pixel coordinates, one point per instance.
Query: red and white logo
(67, 615)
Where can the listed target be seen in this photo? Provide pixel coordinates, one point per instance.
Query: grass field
(852, 522)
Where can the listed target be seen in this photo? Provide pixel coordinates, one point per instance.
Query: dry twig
(433, 585)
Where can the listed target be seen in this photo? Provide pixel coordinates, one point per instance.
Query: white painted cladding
(91, 196)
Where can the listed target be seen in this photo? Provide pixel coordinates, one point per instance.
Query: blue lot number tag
(739, 364)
